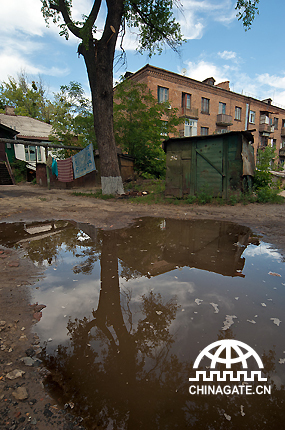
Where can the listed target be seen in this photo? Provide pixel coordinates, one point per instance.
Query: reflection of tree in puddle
(117, 382)
(120, 372)
(121, 375)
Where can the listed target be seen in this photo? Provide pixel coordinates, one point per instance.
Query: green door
(209, 167)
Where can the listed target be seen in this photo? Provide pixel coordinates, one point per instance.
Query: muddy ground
(24, 404)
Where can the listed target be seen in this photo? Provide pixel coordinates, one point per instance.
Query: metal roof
(28, 128)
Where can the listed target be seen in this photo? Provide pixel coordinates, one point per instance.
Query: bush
(268, 195)
(262, 178)
(204, 197)
(191, 199)
(19, 170)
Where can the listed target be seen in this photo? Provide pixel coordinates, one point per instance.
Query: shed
(218, 164)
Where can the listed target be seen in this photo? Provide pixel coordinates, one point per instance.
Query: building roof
(222, 86)
(246, 133)
(9, 130)
(28, 128)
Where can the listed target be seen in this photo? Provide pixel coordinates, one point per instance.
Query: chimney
(224, 85)
(9, 110)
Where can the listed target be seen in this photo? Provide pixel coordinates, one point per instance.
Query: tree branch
(62, 8)
(93, 14)
(147, 21)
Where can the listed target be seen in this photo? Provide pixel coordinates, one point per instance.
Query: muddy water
(128, 311)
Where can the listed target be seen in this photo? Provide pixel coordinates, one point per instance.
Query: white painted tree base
(112, 185)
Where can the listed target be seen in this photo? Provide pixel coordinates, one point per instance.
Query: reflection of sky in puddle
(67, 294)
(211, 269)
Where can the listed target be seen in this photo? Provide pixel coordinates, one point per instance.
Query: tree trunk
(99, 63)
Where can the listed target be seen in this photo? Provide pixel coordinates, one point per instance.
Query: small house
(217, 164)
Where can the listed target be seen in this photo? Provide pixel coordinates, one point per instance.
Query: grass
(97, 195)
(155, 189)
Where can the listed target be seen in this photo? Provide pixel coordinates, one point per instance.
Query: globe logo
(228, 347)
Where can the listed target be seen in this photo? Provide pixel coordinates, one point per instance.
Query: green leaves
(27, 97)
(247, 9)
(72, 119)
(141, 124)
(156, 24)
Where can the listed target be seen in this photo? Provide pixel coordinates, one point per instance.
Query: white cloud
(272, 80)
(203, 69)
(227, 55)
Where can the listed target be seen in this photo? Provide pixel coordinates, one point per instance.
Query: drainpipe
(246, 116)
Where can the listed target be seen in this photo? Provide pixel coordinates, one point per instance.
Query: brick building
(210, 108)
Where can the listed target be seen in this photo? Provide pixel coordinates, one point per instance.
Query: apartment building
(210, 108)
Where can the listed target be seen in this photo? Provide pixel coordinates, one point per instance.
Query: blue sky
(217, 45)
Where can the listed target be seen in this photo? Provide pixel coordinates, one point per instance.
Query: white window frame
(190, 127)
(252, 117)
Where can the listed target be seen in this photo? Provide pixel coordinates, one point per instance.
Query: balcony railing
(283, 131)
(190, 112)
(224, 120)
(265, 128)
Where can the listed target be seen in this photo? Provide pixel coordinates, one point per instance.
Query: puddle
(128, 311)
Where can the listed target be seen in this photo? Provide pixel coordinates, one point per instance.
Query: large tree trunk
(99, 63)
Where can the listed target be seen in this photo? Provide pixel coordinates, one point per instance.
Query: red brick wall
(177, 84)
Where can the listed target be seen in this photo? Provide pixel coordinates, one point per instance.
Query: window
(222, 108)
(204, 131)
(237, 113)
(190, 127)
(31, 153)
(205, 105)
(163, 131)
(251, 117)
(283, 123)
(186, 100)
(39, 154)
(275, 123)
(162, 94)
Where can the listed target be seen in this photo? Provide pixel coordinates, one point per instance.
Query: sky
(216, 45)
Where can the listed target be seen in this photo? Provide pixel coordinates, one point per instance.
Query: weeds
(155, 189)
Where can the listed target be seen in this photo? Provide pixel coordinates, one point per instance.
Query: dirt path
(31, 203)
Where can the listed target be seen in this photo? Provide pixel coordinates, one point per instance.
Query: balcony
(283, 131)
(265, 128)
(282, 152)
(224, 120)
(189, 112)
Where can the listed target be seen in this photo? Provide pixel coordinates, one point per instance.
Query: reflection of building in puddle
(207, 245)
(11, 234)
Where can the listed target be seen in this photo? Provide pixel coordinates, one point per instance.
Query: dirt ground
(24, 404)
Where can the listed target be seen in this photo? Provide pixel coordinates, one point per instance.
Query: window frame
(222, 108)
(238, 116)
(193, 126)
(162, 94)
(252, 117)
(205, 103)
(185, 98)
(204, 128)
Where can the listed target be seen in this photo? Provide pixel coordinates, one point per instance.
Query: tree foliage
(72, 118)
(28, 97)
(141, 124)
(247, 9)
